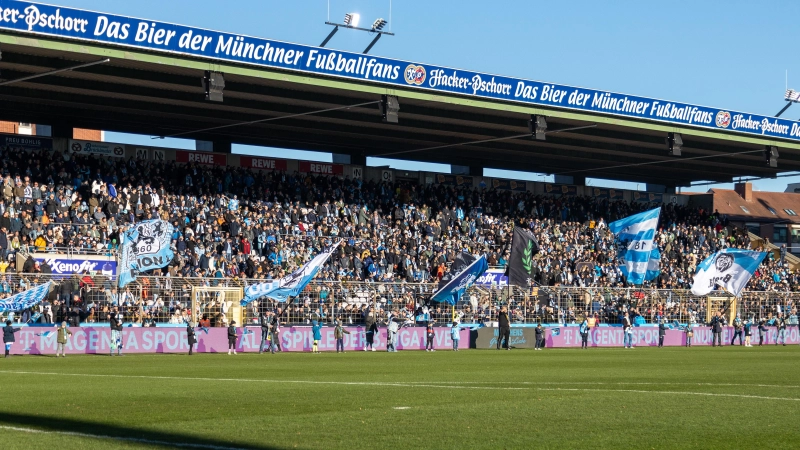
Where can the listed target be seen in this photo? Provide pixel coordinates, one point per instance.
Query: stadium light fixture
(351, 21)
(379, 24)
(791, 96)
(674, 144)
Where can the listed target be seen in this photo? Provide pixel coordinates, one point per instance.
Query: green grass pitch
(733, 397)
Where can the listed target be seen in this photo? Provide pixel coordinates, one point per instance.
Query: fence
(160, 300)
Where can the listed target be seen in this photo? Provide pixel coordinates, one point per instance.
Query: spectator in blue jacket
(584, 329)
(455, 335)
(8, 336)
(748, 325)
(316, 328)
(662, 331)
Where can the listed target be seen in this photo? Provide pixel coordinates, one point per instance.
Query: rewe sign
(321, 168)
(204, 158)
(251, 162)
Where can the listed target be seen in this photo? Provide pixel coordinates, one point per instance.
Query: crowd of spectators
(234, 223)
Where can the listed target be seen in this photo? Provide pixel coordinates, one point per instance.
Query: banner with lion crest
(145, 246)
(730, 268)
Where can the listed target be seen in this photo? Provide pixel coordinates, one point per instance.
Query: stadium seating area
(232, 223)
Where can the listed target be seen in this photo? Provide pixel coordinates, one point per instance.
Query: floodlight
(352, 19)
(793, 96)
(379, 24)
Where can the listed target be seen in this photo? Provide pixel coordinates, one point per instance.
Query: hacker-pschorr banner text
(33, 18)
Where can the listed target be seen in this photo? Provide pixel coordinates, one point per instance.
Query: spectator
(232, 337)
(8, 336)
(61, 339)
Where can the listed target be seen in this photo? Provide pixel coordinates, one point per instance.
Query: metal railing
(164, 300)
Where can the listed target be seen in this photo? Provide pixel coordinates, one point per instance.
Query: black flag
(523, 247)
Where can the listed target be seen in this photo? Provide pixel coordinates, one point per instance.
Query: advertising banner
(611, 194)
(97, 148)
(204, 158)
(563, 189)
(38, 19)
(252, 162)
(69, 265)
(493, 277)
(320, 168)
(648, 336)
(648, 197)
(570, 337)
(520, 337)
(454, 180)
(510, 185)
(96, 340)
(25, 142)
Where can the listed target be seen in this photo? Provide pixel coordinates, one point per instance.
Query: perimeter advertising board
(96, 340)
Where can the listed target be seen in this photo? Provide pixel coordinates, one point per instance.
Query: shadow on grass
(155, 439)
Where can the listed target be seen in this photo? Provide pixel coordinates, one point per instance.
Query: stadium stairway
(757, 241)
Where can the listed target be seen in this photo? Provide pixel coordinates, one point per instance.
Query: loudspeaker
(674, 144)
(214, 84)
(538, 127)
(771, 156)
(389, 107)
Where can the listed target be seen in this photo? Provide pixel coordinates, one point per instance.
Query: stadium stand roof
(158, 93)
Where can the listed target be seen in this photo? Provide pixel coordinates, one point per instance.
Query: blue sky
(731, 54)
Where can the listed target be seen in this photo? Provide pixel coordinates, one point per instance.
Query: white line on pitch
(363, 383)
(115, 438)
(606, 383)
(640, 391)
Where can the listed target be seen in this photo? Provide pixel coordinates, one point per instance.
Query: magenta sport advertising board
(648, 336)
(96, 340)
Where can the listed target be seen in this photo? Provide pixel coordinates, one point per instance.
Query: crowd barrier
(168, 299)
(97, 340)
(570, 337)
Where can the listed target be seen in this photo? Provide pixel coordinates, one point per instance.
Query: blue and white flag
(145, 246)
(636, 234)
(452, 291)
(290, 285)
(730, 268)
(25, 300)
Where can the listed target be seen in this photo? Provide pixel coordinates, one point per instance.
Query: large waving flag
(523, 248)
(290, 285)
(451, 290)
(636, 234)
(730, 268)
(25, 300)
(145, 246)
